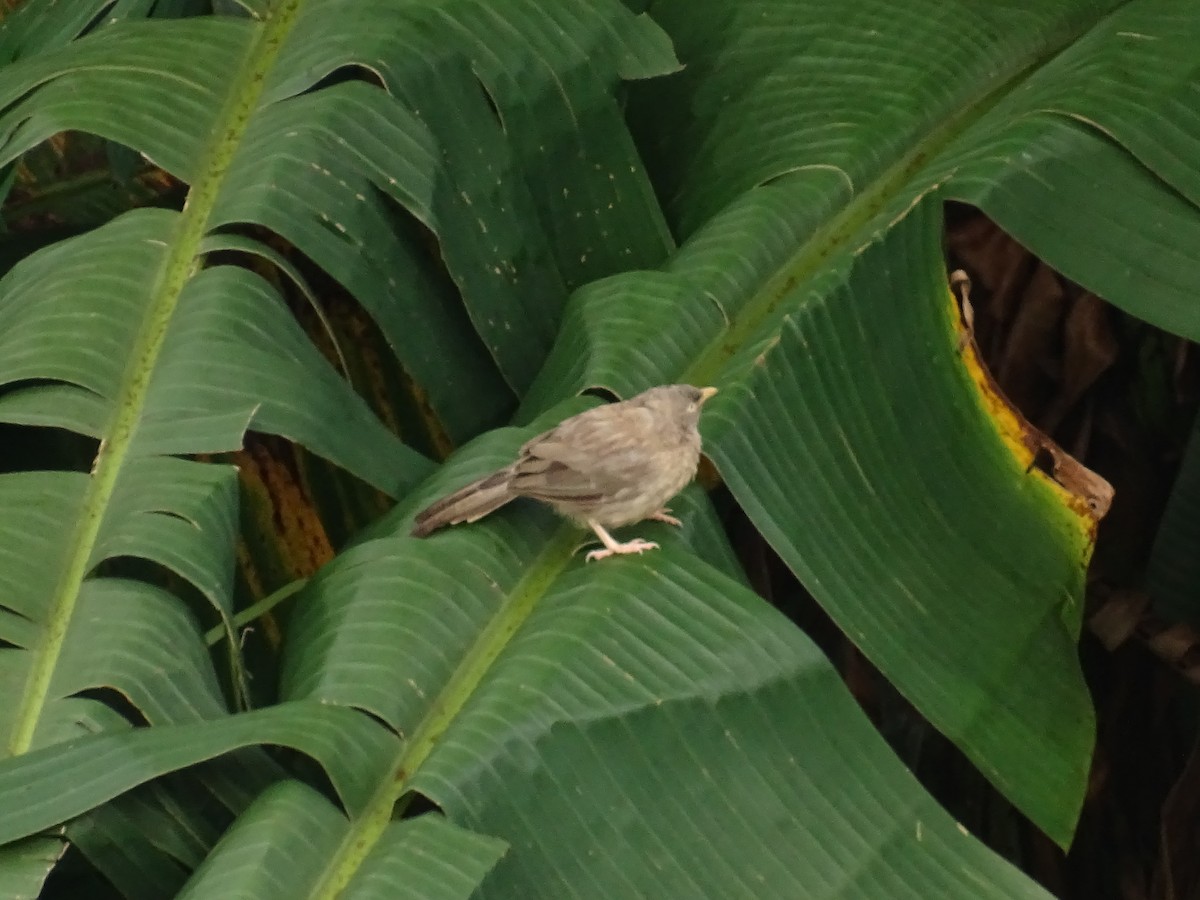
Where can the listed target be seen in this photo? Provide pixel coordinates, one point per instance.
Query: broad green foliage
(533, 198)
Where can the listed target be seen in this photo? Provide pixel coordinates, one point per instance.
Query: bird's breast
(666, 471)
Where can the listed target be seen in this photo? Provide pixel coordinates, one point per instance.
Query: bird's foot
(664, 515)
(637, 545)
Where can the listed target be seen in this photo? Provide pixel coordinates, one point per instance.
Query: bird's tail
(476, 500)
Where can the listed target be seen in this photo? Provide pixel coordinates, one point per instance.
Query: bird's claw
(637, 545)
(664, 515)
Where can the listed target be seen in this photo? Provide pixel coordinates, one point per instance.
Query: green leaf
(111, 837)
(1138, 261)
(274, 848)
(146, 842)
(945, 473)
(25, 865)
(562, 708)
(807, 436)
(38, 25)
(777, 195)
(122, 335)
(800, 156)
(371, 147)
(566, 708)
(278, 846)
(154, 358)
(427, 857)
(76, 89)
(348, 744)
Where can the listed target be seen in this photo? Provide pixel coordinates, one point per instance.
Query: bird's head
(678, 402)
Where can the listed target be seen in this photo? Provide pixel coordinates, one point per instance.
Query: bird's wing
(587, 457)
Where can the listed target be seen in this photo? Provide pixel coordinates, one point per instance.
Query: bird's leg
(664, 515)
(613, 547)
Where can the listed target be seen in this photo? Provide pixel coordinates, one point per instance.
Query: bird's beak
(707, 394)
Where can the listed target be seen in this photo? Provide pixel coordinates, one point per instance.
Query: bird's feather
(467, 504)
(608, 466)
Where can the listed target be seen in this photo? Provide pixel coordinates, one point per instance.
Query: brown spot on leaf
(1084, 492)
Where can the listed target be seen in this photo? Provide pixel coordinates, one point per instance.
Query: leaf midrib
(366, 830)
(839, 233)
(179, 264)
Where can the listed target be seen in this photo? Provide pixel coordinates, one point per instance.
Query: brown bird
(607, 467)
